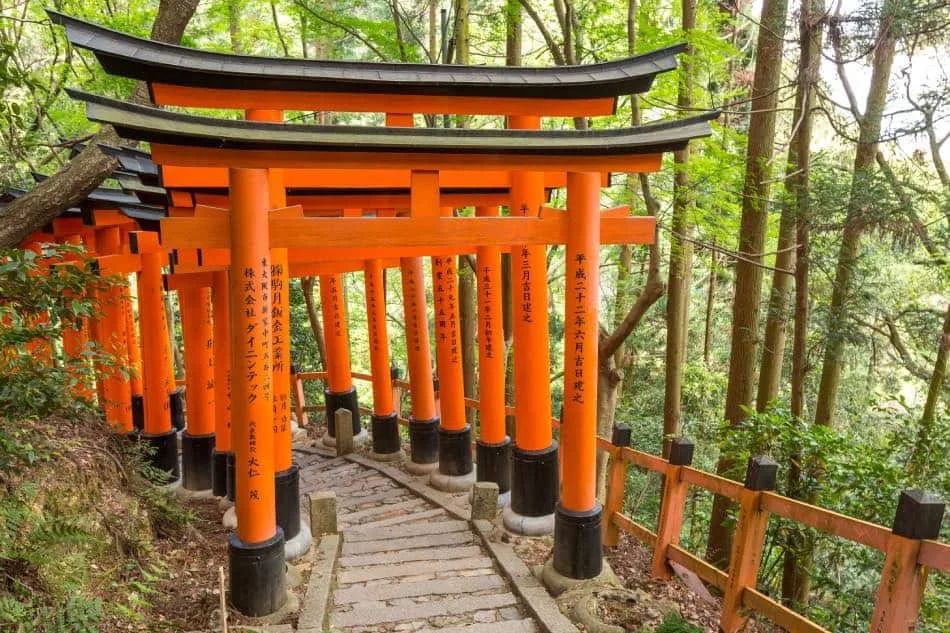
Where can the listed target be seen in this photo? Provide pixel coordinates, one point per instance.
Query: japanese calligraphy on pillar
(489, 318)
(209, 345)
(371, 290)
(412, 318)
(256, 294)
(279, 331)
(527, 307)
(582, 336)
(446, 305)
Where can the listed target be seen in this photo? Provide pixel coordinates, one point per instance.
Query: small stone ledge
(313, 618)
(537, 599)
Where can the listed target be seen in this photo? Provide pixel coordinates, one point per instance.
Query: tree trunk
(859, 207)
(86, 171)
(235, 8)
(678, 283)
(513, 25)
(313, 315)
(776, 324)
(710, 305)
(796, 570)
(748, 290)
(918, 463)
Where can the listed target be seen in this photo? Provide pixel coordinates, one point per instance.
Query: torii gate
(248, 150)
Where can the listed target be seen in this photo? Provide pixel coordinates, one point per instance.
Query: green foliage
(673, 623)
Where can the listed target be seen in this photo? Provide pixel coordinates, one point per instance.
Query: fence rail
(908, 558)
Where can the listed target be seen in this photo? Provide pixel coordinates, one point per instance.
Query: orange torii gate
(249, 150)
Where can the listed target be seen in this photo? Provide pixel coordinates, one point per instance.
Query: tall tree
(794, 236)
(86, 171)
(681, 253)
(860, 203)
(748, 286)
(935, 389)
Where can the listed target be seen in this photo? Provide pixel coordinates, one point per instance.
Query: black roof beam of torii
(155, 125)
(154, 62)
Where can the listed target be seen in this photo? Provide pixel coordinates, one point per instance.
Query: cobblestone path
(407, 564)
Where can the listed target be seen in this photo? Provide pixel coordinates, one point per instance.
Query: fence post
(673, 504)
(616, 482)
(748, 541)
(902, 585)
(299, 399)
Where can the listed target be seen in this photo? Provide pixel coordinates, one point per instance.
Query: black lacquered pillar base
(386, 440)
(578, 543)
(343, 400)
(534, 481)
(138, 413)
(424, 441)
(219, 473)
(231, 475)
(455, 451)
(176, 400)
(287, 493)
(494, 464)
(197, 461)
(257, 584)
(163, 453)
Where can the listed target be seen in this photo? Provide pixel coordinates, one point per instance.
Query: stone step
(388, 558)
(323, 463)
(417, 568)
(389, 545)
(402, 518)
(441, 586)
(505, 626)
(406, 504)
(372, 614)
(384, 496)
(370, 483)
(402, 531)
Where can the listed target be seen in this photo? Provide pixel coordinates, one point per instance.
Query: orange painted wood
(229, 98)
(251, 374)
(744, 560)
(670, 523)
(935, 555)
(315, 269)
(393, 177)
(698, 566)
(578, 447)
(300, 399)
(645, 460)
(713, 483)
(256, 159)
(448, 343)
(135, 348)
(221, 309)
(198, 335)
(183, 198)
(827, 521)
(455, 234)
(280, 358)
(628, 525)
(779, 614)
(616, 485)
(375, 284)
(901, 589)
(118, 393)
(122, 264)
(530, 309)
(491, 340)
(333, 305)
(188, 280)
(157, 381)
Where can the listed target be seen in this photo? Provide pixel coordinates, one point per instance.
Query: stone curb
(314, 618)
(536, 597)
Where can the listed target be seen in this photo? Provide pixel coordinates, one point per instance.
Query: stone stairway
(406, 563)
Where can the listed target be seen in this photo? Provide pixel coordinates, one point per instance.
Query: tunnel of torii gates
(237, 252)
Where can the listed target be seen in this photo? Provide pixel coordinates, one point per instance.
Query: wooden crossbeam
(428, 233)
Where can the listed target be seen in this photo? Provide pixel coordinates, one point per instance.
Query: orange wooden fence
(903, 577)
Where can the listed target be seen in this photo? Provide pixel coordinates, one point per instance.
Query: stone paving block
(401, 531)
(510, 626)
(484, 500)
(450, 606)
(370, 483)
(395, 570)
(384, 496)
(343, 421)
(322, 513)
(389, 545)
(411, 503)
(403, 518)
(388, 558)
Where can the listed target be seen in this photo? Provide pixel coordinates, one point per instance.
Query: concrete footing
(330, 442)
(557, 583)
(300, 544)
(451, 483)
(398, 456)
(528, 526)
(421, 469)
